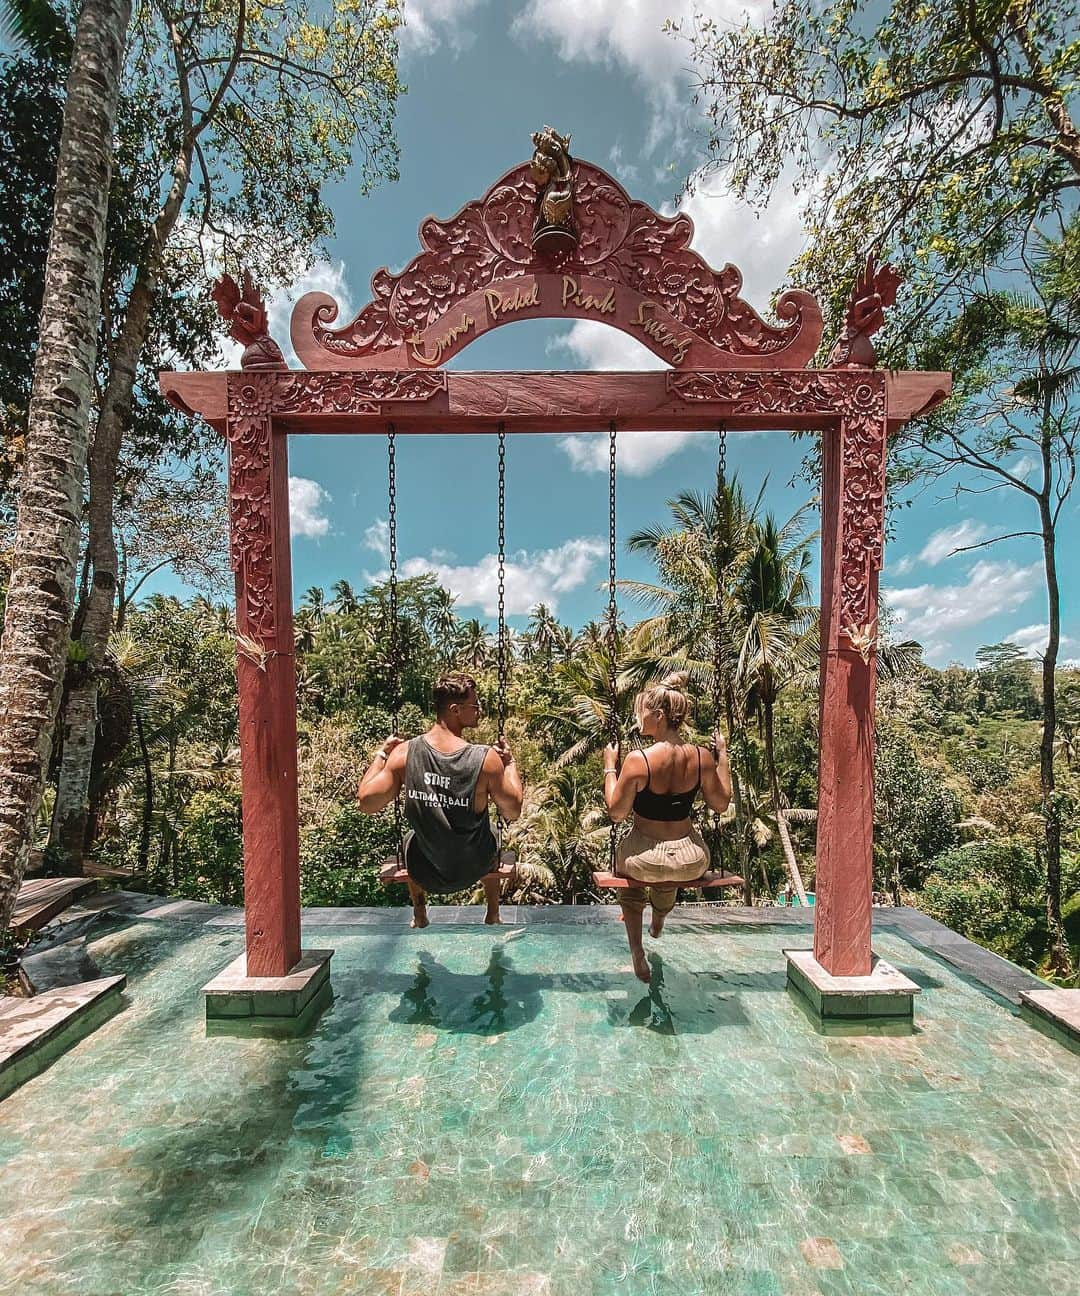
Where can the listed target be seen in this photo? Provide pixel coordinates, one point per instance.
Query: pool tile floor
(508, 1111)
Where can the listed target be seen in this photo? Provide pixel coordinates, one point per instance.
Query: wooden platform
(711, 882)
(41, 899)
(94, 869)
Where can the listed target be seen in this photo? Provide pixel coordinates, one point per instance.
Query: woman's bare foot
(656, 927)
(641, 966)
(419, 914)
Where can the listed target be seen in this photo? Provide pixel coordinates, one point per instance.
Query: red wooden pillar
(853, 490)
(266, 674)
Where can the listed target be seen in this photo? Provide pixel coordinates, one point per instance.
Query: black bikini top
(666, 807)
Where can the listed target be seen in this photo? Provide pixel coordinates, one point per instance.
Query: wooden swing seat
(392, 870)
(612, 882)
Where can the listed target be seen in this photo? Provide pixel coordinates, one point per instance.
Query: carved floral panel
(622, 242)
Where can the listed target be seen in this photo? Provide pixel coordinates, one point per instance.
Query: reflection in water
(418, 1008)
(651, 1011)
(487, 1003)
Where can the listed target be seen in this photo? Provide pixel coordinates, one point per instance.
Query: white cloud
(1024, 467)
(638, 452)
(430, 24)
(306, 501)
(602, 346)
(762, 244)
(902, 566)
(599, 346)
(942, 543)
(630, 36)
(532, 576)
(1032, 639)
(377, 537)
(991, 588)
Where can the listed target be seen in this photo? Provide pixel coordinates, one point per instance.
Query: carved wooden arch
(632, 268)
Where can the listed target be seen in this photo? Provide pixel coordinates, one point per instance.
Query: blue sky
(482, 76)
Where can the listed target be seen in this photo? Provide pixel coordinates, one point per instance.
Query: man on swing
(449, 783)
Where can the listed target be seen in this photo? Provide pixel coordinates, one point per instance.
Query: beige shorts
(661, 866)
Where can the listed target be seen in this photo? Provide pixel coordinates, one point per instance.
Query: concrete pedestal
(238, 1004)
(1057, 1009)
(884, 994)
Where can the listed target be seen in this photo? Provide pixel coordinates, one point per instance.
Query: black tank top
(666, 807)
(451, 844)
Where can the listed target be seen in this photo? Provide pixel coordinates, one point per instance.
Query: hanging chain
(613, 607)
(395, 670)
(612, 628)
(718, 610)
(391, 539)
(718, 572)
(503, 645)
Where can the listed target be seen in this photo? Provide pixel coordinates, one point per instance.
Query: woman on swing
(663, 849)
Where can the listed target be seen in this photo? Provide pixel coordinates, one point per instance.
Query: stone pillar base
(237, 1004)
(884, 994)
(1055, 1010)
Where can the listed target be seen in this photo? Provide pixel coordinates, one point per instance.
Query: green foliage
(339, 865)
(916, 814)
(992, 893)
(945, 127)
(1007, 681)
(210, 848)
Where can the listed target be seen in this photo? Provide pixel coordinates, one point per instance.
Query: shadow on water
(501, 999)
(694, 1003)
(486, 1003)
(184, 1160)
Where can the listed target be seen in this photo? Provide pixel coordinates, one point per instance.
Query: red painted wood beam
(426, 401)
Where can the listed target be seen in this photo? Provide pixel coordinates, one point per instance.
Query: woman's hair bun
(676, 680)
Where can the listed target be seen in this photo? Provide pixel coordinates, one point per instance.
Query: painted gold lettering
(441, 345)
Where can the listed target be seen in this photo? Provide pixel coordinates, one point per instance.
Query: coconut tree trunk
(37, 621)
(742, 853)
(768, 704)
(148, 799)
(1060, 958)
(69, 829)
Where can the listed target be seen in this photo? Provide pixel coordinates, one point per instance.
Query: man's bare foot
(641, 966)
(656, 927)
(493, 918)
(419, 915)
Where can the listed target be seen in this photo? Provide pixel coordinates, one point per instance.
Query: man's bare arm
(504, 781)
(383, 778)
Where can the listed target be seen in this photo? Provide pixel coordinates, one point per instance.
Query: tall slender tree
(257, 108)
(40, 597)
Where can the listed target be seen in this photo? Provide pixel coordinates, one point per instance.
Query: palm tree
(475, 646)
(546, 632)
(779, 643)
(584, 725)
(34, 27)
(562, 833)
(443, 624)
(345, 599)
(40, 599)
(314, 603)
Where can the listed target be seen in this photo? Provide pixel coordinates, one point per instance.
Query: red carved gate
(634, 269)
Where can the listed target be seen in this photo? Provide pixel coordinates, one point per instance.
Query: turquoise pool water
(509, 1111)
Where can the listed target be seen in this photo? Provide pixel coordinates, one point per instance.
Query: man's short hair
(454, 686)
